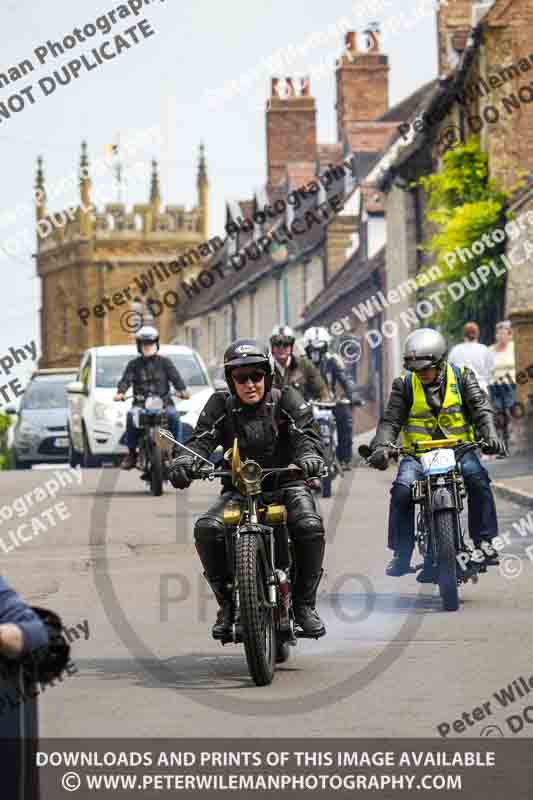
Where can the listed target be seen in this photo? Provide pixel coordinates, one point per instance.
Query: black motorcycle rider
(149, 373)
(341, 388)
(275, 428)
(434, 400)
(293, 370)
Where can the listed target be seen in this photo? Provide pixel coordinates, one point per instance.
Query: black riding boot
(210, 546)
(222, 627)
(309, 555)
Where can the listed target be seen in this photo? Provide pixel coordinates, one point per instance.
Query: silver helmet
(424, 348)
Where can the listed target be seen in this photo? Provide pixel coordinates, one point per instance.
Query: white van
(97, 424)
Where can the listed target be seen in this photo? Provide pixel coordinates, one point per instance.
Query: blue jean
(343, 417)
(482, 518)
(132, 433)
(502, 395)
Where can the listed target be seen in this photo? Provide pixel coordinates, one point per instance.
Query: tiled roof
(346, 280)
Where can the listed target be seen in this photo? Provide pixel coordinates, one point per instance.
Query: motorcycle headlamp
(251, 472)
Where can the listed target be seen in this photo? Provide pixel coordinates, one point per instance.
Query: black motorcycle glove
(379, 458)
(181, 471)
(494, 447)
(311, 466)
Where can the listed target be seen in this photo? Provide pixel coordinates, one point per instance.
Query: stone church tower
(97, 266)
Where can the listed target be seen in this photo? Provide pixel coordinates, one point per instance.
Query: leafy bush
(6, 457)
(464, 203)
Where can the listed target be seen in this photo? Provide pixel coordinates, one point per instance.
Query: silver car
(40, 434)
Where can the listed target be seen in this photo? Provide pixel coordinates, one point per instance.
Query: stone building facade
(96, 266)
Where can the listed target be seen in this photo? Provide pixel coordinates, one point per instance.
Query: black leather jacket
(151, 376)
(476, 403)
(275, 432)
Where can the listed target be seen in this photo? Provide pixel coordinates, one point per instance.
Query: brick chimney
(454, 22)
(290, 126)
(362, 82)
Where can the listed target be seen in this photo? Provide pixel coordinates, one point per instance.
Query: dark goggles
(278, 342)
(419, 364)
(243, 377)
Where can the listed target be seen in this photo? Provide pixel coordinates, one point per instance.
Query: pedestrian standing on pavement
(474, 355)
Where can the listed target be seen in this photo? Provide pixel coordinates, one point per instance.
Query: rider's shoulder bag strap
(408, 380)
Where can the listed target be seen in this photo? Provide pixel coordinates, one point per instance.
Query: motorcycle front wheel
(156, 472)
(447, 564)
(257, 617)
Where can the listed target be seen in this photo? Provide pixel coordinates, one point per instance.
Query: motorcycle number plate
(153, 403)
(438, 461)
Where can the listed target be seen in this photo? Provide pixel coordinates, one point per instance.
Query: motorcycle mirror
(164, 440)
(364, 451)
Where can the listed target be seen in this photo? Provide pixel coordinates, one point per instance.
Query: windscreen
(43, 393)
(109, 369)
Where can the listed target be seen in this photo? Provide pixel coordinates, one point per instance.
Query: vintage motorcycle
(259, 558)
(151, 459)
(327, 426)
(440, 494)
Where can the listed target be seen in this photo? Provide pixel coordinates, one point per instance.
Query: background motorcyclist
(341, 388)
(435, 400)
(293, 370)
(149, 373)
(275, 428)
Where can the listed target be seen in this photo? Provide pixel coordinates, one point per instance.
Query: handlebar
(183, 395)
(436, 445)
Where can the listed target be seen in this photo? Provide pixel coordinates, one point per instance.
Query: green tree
(5, 454)
(464, 203)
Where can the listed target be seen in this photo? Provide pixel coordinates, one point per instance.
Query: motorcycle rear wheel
(257, 617)
(447, 564)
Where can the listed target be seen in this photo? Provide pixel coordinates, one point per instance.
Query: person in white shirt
(474, 355)
(503, 381)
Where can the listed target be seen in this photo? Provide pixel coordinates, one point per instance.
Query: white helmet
(282, 333)
(317, 338)
(147, 335)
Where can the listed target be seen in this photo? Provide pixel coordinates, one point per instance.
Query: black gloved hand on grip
(311, 466)
(379, 458)
(181, 471)
(494, 447)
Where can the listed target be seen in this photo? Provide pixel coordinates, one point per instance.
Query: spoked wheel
(447, 564)
(156, 472)
(257, 617)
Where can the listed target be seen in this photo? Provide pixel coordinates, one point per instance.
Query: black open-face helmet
(146, 335)
(247, 353)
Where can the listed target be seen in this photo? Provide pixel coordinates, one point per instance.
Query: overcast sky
(172, 80)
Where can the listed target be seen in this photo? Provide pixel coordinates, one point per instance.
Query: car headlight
(103, 412)
(26, 429)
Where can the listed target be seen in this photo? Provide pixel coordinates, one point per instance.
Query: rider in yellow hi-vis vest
(422, 424)
(434, 400)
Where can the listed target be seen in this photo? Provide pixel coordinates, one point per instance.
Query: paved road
(392, 664)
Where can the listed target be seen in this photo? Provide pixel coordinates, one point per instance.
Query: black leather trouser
(306, 530)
